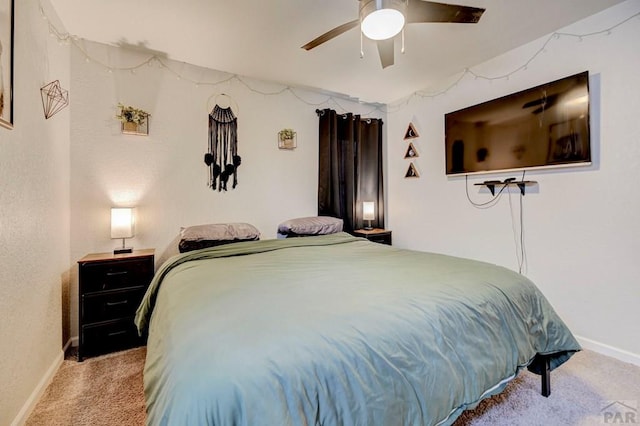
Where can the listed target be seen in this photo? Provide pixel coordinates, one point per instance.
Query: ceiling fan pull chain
(402, 49)
(361, 48)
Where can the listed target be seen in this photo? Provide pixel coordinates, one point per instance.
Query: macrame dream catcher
(223, 159)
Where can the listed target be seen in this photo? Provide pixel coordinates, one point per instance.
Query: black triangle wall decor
(411, 172)
(411, 132)
(412, 152)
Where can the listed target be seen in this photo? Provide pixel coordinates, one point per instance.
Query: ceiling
(262, 39)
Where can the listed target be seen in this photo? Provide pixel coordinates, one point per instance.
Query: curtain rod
(320, 113)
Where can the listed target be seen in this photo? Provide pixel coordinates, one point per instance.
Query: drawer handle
(117, 333)
(122, 302)
(115, 274)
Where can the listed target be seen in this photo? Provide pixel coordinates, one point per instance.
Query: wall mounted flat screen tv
(544, 126)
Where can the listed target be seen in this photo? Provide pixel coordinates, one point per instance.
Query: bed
(337, 330)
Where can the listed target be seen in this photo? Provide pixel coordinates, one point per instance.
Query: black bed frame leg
(545, 375)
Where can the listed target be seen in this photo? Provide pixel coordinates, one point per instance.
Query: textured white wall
(34, 216)
(581, 229)
(164, 174)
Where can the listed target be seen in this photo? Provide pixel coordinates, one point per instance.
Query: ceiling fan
(382, 20)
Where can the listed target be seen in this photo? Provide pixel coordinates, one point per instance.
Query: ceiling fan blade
(428, 11)
(546, 105)
(385, 49)
(331, 34)
(546, 100)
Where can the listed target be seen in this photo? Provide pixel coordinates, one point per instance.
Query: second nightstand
(376, 235)
(111, 287)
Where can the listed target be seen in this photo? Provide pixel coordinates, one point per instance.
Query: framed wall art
(6, 63)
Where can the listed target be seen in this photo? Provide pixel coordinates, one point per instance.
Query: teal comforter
(336, 330)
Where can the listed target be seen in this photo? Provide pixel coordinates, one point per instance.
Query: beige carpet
(101, 391)
(590, 389)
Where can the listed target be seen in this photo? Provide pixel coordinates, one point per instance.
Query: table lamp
(368, 213)
(122, 226)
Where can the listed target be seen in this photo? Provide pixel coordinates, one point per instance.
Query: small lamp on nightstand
(122, 226)
(368, 213)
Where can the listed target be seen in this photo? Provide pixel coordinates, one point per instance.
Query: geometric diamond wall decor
(54, 98)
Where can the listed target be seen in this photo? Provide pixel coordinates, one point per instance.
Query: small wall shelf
(522, 184)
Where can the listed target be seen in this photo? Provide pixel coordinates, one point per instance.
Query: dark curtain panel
(350, 168)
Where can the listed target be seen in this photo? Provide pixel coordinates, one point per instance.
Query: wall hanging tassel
(223, 159)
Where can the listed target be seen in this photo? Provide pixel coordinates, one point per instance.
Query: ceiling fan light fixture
(382, 19)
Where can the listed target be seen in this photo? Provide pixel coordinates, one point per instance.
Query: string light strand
(65, 37)
(395, 107)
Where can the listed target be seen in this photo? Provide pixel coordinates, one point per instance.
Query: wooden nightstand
(111, 287)
(376, 235)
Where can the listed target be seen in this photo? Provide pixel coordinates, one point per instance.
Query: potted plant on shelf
(287, 139)
(134, 120)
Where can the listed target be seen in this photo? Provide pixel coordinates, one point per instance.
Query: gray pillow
(210, 235)
(314, 225)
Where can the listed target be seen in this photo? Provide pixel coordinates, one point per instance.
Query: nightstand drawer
(381, 236)
(98, 307)
(116, 275)
(108, 337)
(382, 239)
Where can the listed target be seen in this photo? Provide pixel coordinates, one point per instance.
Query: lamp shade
(382, 19)
(122, 222)
(368, 210)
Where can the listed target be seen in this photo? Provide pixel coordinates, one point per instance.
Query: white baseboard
(613, 352)
(35, 396)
